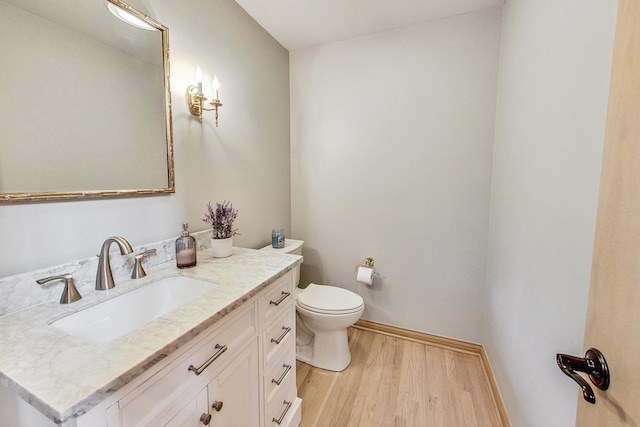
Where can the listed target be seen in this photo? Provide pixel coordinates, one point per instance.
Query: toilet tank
(293, 247)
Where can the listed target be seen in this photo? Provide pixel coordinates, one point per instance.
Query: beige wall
(391, 142)
(245, 159)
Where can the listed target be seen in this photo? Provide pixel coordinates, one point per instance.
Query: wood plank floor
(397, 382)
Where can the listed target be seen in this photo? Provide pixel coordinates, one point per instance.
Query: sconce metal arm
(196, 102)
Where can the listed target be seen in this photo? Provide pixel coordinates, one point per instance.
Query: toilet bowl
(323, 315)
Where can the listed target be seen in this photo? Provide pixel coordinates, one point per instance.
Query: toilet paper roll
(365, 275)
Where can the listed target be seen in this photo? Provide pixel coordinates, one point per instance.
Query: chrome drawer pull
(279, 420)
(198, 371)
(284, 374)
(284, 297)
(286, 331)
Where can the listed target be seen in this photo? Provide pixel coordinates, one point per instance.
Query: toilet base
(327, 350)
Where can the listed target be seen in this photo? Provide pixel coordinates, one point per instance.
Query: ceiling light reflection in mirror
(127, 17)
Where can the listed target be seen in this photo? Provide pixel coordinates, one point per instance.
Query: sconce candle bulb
(199, 79)
(196, 99)
(215, 84)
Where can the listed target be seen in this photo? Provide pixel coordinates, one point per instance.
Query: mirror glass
(85, 104)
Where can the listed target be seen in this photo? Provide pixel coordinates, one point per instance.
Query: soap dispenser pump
(185, 249)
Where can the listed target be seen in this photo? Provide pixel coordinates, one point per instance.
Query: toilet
(323, 314)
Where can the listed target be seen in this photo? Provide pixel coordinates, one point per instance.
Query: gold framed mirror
(86, 102)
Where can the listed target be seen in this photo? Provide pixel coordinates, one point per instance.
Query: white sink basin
(120, 315)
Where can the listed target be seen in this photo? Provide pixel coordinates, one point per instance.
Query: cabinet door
(193, 414)
(233, 394)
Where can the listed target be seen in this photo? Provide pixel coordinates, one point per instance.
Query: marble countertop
(64, 376)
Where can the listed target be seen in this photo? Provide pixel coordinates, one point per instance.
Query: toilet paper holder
(368, 262)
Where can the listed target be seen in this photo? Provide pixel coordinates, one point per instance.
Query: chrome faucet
(104, 277)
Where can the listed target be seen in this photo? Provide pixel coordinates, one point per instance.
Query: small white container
(222, 248)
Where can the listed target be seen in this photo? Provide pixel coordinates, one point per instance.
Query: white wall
(391, 146)
(250, 147)
(552, 101)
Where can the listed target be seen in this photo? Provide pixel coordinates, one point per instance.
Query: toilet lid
(329, 299)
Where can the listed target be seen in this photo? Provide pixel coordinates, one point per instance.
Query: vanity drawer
(280, 334)
(280, 407)
(277, 299)
(172, 384)
(281, 370)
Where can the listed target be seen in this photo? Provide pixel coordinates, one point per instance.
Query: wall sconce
(196, 99)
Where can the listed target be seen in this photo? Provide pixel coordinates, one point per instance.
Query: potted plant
(221, 220)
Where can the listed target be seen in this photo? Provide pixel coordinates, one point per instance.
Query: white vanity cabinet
(230, 399)
(204, 367)
(193, 413)
(226, 357)
(239, 372)
(234, 393)
(279, 392)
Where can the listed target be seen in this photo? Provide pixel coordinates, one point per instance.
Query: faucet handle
(138, 272)
(70, 293)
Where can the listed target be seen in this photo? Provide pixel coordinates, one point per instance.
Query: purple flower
(221, 219)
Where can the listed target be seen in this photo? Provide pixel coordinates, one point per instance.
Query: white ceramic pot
(221, 248)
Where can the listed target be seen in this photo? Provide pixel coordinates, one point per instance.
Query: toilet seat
(329, 300)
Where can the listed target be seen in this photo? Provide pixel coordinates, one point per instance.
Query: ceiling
(298, 24)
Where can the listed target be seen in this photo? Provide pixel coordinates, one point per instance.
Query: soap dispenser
(185, 249)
